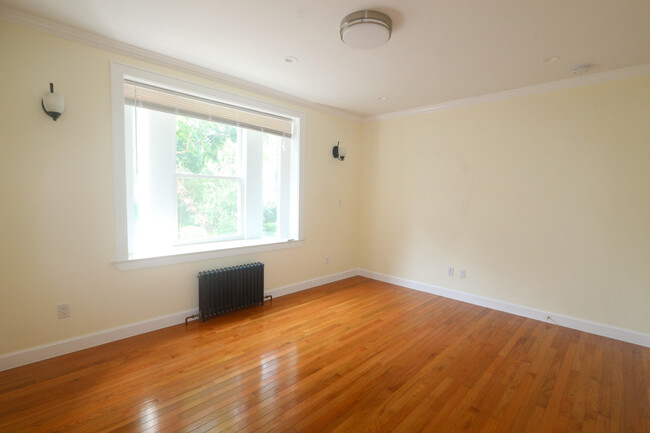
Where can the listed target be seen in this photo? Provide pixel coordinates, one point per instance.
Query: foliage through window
(208, 179)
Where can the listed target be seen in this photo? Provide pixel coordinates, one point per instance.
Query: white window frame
(199, 251)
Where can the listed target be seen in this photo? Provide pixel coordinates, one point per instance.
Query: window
(200, 173)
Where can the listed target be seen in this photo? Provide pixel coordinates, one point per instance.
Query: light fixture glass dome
(53, 103)
(366, 29)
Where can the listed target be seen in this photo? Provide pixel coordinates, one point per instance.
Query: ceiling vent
(581, 69)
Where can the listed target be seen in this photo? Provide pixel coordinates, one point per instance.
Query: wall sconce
(53, 103)
(339, 152)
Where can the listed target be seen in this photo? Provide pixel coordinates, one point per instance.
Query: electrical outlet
(450, 271)
(462, 274)
(327, 260)
(64, 310)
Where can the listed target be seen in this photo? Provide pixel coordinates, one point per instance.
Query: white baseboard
(304, 285)
(520, 310)
(39, 353)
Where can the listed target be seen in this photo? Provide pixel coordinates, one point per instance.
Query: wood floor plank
(354, 355)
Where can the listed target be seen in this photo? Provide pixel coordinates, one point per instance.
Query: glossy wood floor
(356, 355)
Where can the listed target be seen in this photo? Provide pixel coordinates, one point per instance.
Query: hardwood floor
(356, 355)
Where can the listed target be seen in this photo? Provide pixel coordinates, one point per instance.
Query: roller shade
(169, 101)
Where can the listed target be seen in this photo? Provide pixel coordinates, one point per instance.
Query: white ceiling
(440, 50)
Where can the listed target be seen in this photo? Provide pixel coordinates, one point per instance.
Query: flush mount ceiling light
(366, 29)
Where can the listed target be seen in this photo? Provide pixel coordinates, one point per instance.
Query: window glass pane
(271, 176)
(205, 147)
(207, 208)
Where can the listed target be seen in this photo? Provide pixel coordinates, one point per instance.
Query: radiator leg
(193, 316)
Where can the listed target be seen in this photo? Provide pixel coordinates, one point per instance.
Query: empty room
(310, 216)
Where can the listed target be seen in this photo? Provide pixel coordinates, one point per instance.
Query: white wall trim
(151, 262)
(520, 310)
(39, 353)
(74, 34)
(569, 83)
(309, 284)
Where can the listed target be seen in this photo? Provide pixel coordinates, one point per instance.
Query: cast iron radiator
(229, 289)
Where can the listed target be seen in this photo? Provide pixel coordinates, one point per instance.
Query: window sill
(193, 253)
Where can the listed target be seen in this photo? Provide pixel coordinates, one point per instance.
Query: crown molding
(74, 34)
(569, 83)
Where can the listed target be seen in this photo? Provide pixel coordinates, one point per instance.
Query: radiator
(228, 289)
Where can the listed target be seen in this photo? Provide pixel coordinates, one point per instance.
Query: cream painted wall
(545, 200)
(56, 220)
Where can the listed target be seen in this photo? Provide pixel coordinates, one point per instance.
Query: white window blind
(159, 99)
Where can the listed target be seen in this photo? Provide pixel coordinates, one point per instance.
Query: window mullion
(254, 163)
(285, 189)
